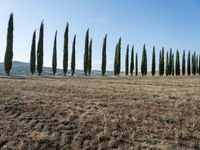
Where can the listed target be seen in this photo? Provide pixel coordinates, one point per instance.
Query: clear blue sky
(169, 23)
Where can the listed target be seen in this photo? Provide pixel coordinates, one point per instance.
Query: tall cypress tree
(127, 60)
(153, 69)
(163, 62)
(183, 63)
(177, 63)
(194, 64)
(90, 58)
(103, 65)
(199, 64)
(160, 63)
(119, 57)
(115, 59)
(167, 65)
(132, 61)
(40, 50)
(65, 50)
(144, 62)
(9, 47)
(136, 64)
(188, 64)
(86, 52)
(73, 58)
(32, 56)
(170, 62)
(54, 57)
(197, 67)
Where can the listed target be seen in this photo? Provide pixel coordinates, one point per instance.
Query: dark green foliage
(194, 64)
(117, 61)
(119, 57)
(103, 65)
(167, 65)
(54, 57)
(197, 67)
(160, 61)
(73, 61)
(9, 47)
(32, 56)
(153, 69)
(65, 50)
(136, 65)
(144, 62)
(86, 52)
(183, 63)
(170, 62)
(199, 64)
(40, 50)
(188, 64)
(90, 58)
(132, 61)
(127, 61)
(177, 63)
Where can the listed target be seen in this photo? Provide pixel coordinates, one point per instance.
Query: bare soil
(100, 113)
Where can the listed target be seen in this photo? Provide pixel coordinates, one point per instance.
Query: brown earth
(100, 113)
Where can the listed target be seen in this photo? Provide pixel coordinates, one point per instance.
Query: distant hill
(22, 68)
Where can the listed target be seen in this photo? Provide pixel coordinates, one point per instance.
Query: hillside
(22, 68)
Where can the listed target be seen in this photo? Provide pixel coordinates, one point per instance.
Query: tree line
(168, 65)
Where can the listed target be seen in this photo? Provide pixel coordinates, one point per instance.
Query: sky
(171, 23)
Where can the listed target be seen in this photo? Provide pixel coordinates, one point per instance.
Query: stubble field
(100, 113)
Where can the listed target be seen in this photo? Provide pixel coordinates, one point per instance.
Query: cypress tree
(144, 62)
(32, 57)
(119, 57)
(127, 60)
(103, 65)
(183, 63)
(73, 58)
(197, 67)
(136, 65)
(199, 64)
(9, 47)
(65, 50)
(194, 64)
(167, 65)
(177, 63)
(160, 63)
(132, 61)
(90, 58)
(40, 50)
(115, 59)
(170, 62)
(54, 57)
(188, 64)
(153, 70)
(86, 52)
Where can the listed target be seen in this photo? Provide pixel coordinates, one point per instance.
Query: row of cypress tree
(166, 67)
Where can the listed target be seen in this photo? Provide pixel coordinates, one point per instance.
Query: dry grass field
(100, 113)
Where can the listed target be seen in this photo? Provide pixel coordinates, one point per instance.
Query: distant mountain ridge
(23, 68)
